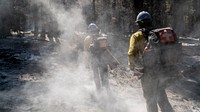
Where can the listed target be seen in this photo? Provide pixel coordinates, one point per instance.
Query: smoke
(68, 20)
(70, 87)
(186, 14)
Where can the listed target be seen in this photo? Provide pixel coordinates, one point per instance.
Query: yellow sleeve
(132, 48)
(131, 52)
(136, 41)
(87, 42)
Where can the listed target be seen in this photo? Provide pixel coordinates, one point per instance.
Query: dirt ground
(34, 77)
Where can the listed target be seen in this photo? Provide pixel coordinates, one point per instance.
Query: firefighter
(92, 31)
(153, 90)
(95, 56)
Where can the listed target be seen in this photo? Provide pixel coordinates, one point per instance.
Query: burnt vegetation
(24, 27)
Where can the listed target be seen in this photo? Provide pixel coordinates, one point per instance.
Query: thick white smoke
(71, 88)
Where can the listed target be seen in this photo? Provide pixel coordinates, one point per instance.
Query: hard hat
(92, 27)
(143, 17)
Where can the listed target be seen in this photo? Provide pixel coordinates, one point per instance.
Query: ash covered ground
(36, 76)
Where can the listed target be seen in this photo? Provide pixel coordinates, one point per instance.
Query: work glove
(138, 72)
(91, 48)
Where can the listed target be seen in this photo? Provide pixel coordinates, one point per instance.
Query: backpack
(100, 43)
(162, 48)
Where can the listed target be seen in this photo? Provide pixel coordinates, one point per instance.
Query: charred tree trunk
(169, 13)
(114, 4)
(106, 15)
(94, 10)
(36, 20)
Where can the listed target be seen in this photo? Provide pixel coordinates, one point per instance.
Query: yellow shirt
(136, 47)
(87, 41)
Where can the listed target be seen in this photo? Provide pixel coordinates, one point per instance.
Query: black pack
(162, 48)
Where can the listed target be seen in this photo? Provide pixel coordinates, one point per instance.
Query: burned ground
(23, 71)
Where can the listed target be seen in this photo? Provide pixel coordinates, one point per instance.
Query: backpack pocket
(171, 54)
(101, 42)
(151, 57)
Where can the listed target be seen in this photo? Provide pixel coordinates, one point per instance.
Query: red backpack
(163, 48)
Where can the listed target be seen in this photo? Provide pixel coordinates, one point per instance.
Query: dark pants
(154, 92)
(100, 72)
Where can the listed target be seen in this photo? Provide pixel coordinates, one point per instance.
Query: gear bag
(100, 43)
(162, 47)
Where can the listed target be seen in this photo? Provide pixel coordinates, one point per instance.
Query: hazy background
(68, 86)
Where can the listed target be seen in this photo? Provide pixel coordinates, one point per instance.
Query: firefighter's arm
(87, 42)
(132, 52)
(135, 47)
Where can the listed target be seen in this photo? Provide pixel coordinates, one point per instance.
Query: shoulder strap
(145, 32)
